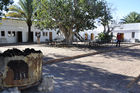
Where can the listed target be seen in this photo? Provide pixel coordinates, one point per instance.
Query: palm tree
(133, 17)
(24, 10)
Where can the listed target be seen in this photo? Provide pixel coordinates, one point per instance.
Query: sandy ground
(51, 52)
(103, 73)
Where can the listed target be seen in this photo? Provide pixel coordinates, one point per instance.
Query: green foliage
(69, 16)
(4, 4)
(104, 37)
(106, 15)
(106, 18)
(25, 10)
(133, 17)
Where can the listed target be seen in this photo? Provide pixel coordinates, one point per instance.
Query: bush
(104, 37)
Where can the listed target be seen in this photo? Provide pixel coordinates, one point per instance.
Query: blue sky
(121, 8)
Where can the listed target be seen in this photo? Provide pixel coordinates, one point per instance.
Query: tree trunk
(108, 31)
(29, 24)
(69, 38)
(68, 34)
(29, 34)
(77, 35)
(104, 28)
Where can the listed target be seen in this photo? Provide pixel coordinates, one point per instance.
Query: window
(9, 33)
(2, 33)
(46, 33)
(43, 33)
(13, 33)
(35, 33)
(133, 34)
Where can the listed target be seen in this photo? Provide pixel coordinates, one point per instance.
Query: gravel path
(103, 73)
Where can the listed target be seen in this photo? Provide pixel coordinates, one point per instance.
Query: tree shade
(69, 16)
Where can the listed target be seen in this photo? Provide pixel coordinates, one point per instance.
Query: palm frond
(13, 14)
(133, 17)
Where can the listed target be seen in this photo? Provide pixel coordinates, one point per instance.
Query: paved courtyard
(103, 73)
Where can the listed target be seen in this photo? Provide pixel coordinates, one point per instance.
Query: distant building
(15, 31)
(91, 35)
(130, 32)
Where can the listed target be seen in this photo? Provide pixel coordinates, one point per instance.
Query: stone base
(11, 90)
(47, 84)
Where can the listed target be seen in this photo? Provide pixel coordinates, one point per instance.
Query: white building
(130, 32)
(14, 31)
(91, 34)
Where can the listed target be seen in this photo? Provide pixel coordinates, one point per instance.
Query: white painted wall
(19, 25)
(44, 38)
(127, 29)
(95, 31)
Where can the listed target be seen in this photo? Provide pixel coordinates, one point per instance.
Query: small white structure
(130, 32)
(91, 34)
(14, 31)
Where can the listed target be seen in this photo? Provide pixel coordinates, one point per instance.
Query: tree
(69, 16)
(133, 17)
(25, 9)
(4, 4)
(106, 18)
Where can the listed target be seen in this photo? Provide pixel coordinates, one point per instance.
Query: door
(92, 36)
(122, 36)
(19, 36)
(86, 36)
(50, 36)
(133, 34)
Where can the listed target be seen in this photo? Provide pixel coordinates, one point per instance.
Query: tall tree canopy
(4, 4)
(133, 17)
(26, 10)
(106, 18)
(70, 16)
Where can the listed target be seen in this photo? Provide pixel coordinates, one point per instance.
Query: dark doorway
(50, 36)
(32, 36)
(19, 36)
(20, 69)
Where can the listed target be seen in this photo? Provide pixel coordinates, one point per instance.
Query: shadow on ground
(122, 53)
(77, 78)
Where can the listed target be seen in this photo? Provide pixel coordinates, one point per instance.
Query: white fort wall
(10, 27)
(131, 31)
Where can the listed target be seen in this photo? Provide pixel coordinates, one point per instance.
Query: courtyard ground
(103, 73)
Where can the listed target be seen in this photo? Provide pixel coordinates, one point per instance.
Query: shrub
(104, 37)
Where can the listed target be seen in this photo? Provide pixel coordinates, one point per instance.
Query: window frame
(46, 33)
(2, 34)
(13, 33)
(9, 34)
